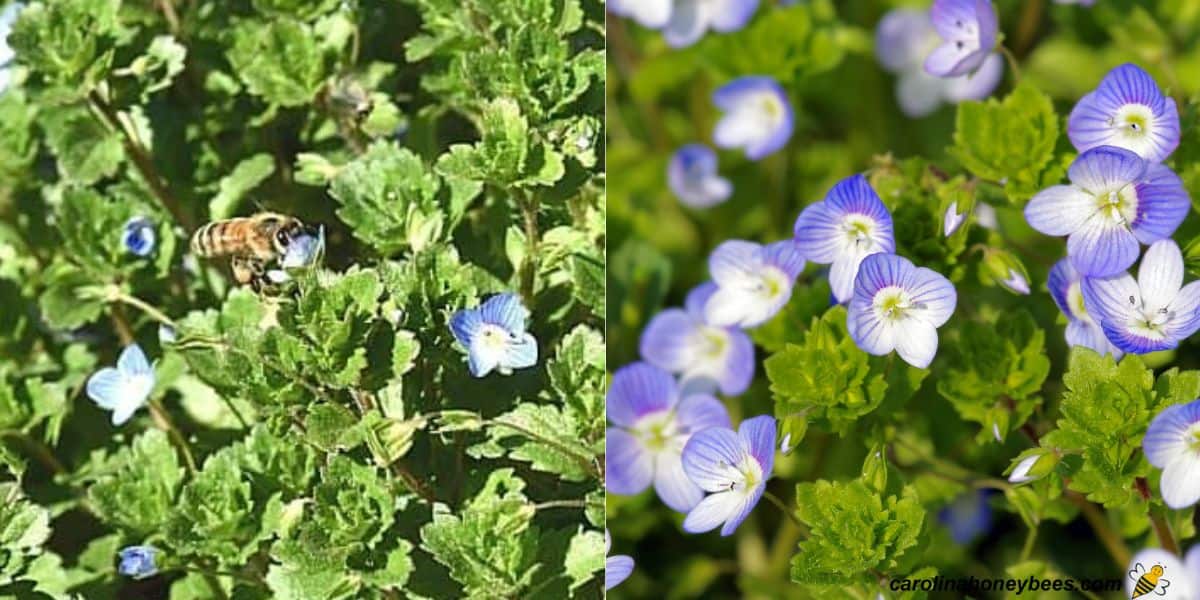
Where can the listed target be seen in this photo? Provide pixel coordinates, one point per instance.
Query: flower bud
(1033, 465)
(1002, 267)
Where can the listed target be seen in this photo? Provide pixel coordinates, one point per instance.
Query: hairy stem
(773, 499)
(1112, 542)
(529, 266)
(36, 449)
(163, 421)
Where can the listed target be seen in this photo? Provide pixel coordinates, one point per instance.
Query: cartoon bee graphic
(1148, 581)
(254, 243)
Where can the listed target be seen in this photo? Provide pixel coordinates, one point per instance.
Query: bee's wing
(1163, 584)
(1137, 571)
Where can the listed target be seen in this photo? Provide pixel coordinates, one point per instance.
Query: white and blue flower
(1115, 200)
(1126, 110)
(616, 568)
(1172, 443)
(706, 357)
(138, 561)
(138, 236)
(304, 250)
(684, 22)
(850, 224)
(753, 281)
(692, 176)
(898, 306)
(124, 389)
(1153, 313)
(653, 421)
(758, 116)
(733, 468)
(494, 336)
(903, 38)
(1066, 288)
(968, 29)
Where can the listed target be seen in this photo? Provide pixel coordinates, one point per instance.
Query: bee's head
(285, 233)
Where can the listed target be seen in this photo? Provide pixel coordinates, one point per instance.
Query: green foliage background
(328, 441)
(881, 447)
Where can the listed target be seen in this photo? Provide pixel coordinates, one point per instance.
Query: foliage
(321, 439)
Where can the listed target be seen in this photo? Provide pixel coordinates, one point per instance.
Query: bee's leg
(248, 270)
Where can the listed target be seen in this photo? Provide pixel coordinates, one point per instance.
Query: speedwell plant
(408, 402)
(861, 339)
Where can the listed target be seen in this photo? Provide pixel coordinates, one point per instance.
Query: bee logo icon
(1148, 581)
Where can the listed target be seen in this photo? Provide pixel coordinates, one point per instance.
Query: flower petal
(916, 342)
(785, 256)
(521, 353)
(842, 275)
(133, 361)
(666, 340)
(1166, 438)
(628, 467)
(758, 435)
(935, 294)
(672, 484)
(977, 85)
(732, 15)
(688, 22)
(1181, 481)
(1062, 275)
(1102, 247)
(652, 14)
(697, 412)
(948, 60)
(712, 511)
(710, 454)
(1108, 298)
(900, 38)
(1186, 307)
(1060, 209)
(483, 358)
(1161, 274)
(871, 333)
(637, 390)
(105, 387)
(506, 311)
(739, 364)
(124, 410)
(736, 262)
(742, 510)
(1134, 342)
(918, 93)
(616, 569)
(1106, 169)
(1163, 203)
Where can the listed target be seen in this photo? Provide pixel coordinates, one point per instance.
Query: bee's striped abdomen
(1144, 586)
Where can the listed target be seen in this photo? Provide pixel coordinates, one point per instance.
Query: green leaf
(157, 68)
(853, 532)
(1008, 141)
(585, 557)
(86, 149)
(279, 61)
(247, 175)
(135, 487)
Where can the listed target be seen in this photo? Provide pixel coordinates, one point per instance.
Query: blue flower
(1150, 314)
(494, 335)
(903, 38)
(653, 421)
(898, 306)
(734, 467)
(758, 116)
(850, 224)
(138, 236)
(138, 561)
(1115, 200)
(705, 357)
(753, 281)
(968, 517)
(968, 29)
(684, 22)
(1172, 443)
(692, 176)
(1066, 289)
(616, 568)
(124, 389)
(303, 250)
(1126, 110)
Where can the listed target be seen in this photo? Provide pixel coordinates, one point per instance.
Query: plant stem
(141, 160)
(1112, 542)
(163, 421)
(1031, 17)
(1012, 63)
(529, 266)
(1162, 529)
(1030, 539)
(560, 504)
(141, 305)
(37, 449)
(773, 499)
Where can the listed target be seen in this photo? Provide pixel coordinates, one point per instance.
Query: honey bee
(1149, 581)
(251, 243)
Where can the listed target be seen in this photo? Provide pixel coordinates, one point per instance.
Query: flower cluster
(1119, 197)
(757, 119)
(893, 304)
(684, 22)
